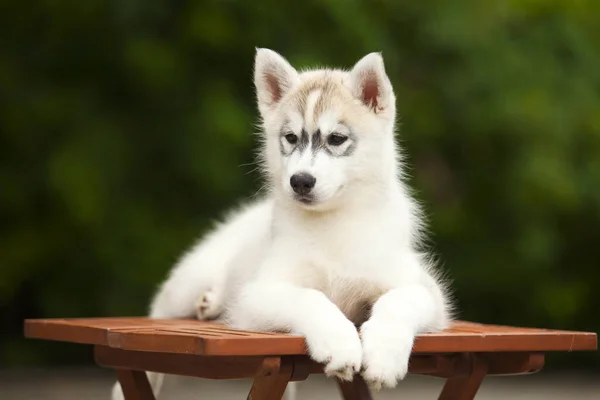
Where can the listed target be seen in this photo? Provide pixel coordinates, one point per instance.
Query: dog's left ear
(370, 84)
(273, 78)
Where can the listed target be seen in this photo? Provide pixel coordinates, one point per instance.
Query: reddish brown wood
(465, 388)
(135, 385)
(272, 386)
(176, 336)
(441, 365)
(355, 390)
(211, 350)
(234, 367)
(460, 365)
(513, 363)
(209, 338)
(473, 337)
(303, 367)
(188, 364)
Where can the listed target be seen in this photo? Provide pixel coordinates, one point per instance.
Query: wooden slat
(210, 338)
(159, 341)
(186, 364)
(474, 327)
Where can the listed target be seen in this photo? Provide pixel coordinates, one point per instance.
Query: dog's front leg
(388, 335)
(280, 306)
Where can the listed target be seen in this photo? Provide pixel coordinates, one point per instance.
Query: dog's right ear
(273, 78)
(371, 85)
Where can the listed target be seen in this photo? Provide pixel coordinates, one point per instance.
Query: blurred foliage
(126, 128)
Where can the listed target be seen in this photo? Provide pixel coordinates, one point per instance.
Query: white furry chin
(323, 203)
(313, 204)
(356, 259)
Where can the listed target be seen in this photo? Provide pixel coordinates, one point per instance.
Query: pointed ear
(370, 84)
(273, 78)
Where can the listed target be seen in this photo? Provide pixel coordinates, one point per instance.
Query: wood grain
(212, 339)
(241, 367)
(230, 367)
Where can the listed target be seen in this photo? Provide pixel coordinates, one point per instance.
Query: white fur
(317, 269)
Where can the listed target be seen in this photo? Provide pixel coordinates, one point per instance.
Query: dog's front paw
(208, 305)
(338, 347)
(386, 351)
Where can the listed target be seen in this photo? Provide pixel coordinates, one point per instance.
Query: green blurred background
(126, 128)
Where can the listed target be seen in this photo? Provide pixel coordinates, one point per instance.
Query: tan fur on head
(367, 82)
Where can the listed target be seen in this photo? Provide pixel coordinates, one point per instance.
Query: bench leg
(355, 390)
(135, 385)
(271, 386)
(465, 388)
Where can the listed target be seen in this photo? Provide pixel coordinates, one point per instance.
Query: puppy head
(326, 131)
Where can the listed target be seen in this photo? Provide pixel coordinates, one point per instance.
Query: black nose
(302, 183)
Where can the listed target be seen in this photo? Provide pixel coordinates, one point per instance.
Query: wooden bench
(463, 354)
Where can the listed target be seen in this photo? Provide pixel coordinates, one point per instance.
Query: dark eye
(335, 139)
(291, 138)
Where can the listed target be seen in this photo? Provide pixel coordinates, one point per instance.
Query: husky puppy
(335, 244)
